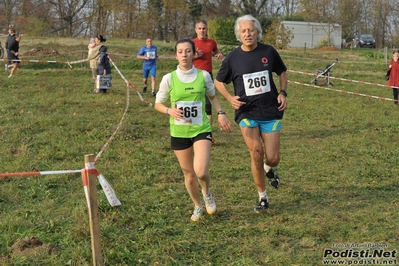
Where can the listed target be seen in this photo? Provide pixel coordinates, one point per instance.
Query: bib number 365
(192, 112)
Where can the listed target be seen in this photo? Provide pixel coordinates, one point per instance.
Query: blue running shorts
(152, 70)
(264, 126)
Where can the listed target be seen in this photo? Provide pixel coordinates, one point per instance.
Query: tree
(176, 19)
(277, 35)
(123, 18)
(349, 9)
(252, 7)
(222, 30)
(290, 7)
(322, 11)
(379, 14)
(66, 14)
(195, 10)
(155, 17)
(218, 8)
(8, 7)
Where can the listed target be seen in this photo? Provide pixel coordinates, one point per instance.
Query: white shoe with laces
(197, 214)
(210, 204)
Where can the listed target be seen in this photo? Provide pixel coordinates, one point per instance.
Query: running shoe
(153, 93)
(274, 180)
(262, 205)
(210, 204)
(145, 88)
(197, 214)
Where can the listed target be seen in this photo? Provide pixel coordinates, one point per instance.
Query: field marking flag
(109, 191)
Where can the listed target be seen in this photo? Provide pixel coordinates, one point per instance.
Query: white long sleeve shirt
(184, 76)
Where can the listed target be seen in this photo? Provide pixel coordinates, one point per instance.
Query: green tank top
(189, 97)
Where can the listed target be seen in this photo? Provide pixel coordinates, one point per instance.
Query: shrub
(277, 35)
(323, 43)
(222, 30)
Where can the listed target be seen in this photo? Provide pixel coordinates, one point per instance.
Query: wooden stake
(93, 211)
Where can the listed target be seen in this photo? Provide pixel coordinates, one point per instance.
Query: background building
(311, 34)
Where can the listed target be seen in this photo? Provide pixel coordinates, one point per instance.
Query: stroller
(323, 75)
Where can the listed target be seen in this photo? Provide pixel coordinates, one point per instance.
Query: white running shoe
(197, 214)
(210, 204)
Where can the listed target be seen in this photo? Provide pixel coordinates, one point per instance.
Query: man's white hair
(247, 18)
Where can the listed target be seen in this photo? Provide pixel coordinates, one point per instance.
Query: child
(91, 44)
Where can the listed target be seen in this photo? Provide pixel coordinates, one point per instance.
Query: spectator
(94, 57)
(104, 67)
(14, 51)
(393, 69)
(10, 39)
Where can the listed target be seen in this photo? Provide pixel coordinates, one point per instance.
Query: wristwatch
(284, 92)
(221, 112)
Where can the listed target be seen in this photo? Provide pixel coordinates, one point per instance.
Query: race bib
(256, 83)
(151, 55)
(192, 113)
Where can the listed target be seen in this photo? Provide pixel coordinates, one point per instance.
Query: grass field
(339, 187)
